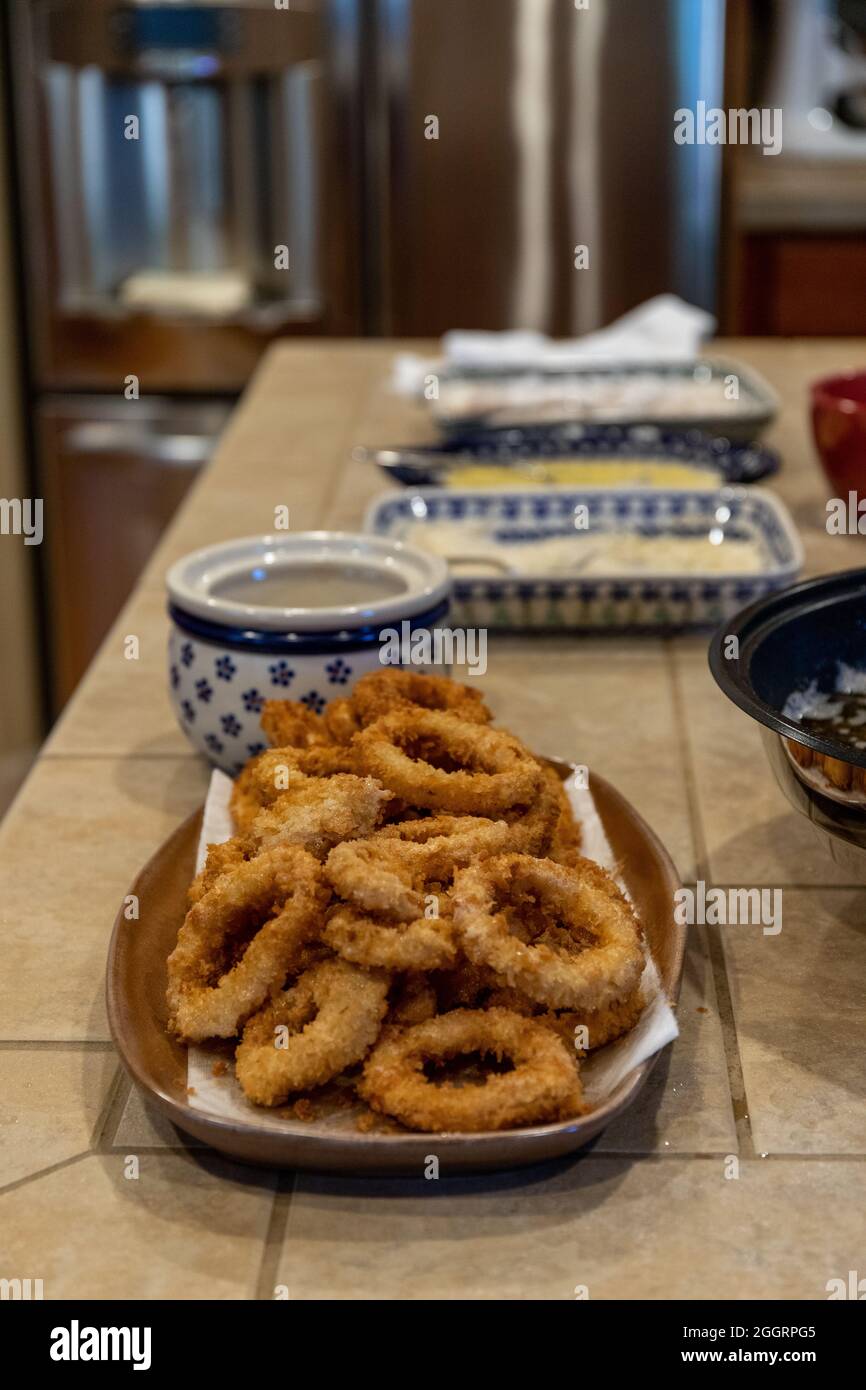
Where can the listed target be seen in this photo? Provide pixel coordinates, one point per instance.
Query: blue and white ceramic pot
(294, 617)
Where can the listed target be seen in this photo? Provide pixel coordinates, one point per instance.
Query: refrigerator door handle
(181, 450)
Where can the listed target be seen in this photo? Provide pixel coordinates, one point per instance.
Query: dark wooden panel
(103, 517)
(803, 286)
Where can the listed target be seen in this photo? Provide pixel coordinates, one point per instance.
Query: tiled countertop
(769, 1065)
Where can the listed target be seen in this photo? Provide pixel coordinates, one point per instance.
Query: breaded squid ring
(463, 986)
(389, 871)
(533, 827)
(321, 812)
(289, 724)
(245, 800)
(493, 771)
(543, 1084)
(567, 834)
(602, 1026)
(340, 721)
(282, 894)
(332, 1012)
(379, 692)
(221, 859)
(368, 875)
(427, 943)
(412, 1001)
(585, 899)
(278, 770)
(320, 760)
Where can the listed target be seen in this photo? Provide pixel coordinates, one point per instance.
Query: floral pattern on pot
(218, 696)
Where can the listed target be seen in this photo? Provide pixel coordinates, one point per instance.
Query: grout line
(800, 887)
(724, 1002)
(783, 887)
(710, 1155)
(43, 1172)
(702, 859)
(275, 1236)
(56, 1045)
(119, 757)
(106, 1127)
(183, 1146)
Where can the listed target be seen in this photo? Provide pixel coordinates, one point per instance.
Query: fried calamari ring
(463, 986)
(221, 859)
(379, 879)
(379, 692)
(390, 871)
(332, 1016)
(246, 799)
(567, 837)
(280, 898)
(427, 943)
(320, 760)
(602, 1026)
(485, 771)
(533, 826)
(340, 721)
(420, 830)
(543, 1084)
(290, 724)
(279, 770)
(321, 812)
(487, 897)
(275, 772)
(413, 1001)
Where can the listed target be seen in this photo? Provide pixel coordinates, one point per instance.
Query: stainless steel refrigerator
(198, 178)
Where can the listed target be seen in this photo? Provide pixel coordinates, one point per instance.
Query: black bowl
(783, 643)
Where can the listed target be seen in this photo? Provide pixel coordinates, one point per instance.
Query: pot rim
(191, 580)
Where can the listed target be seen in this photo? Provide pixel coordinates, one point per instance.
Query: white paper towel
(664, 329)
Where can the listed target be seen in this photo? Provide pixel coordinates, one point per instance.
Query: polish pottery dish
(299, 616)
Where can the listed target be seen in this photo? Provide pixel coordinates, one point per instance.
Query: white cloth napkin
(664, 329)
(601, 1073)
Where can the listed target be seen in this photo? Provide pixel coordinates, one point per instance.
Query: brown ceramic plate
(157, 1063)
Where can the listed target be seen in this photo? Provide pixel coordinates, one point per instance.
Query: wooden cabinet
(112, 474)
(801, 285)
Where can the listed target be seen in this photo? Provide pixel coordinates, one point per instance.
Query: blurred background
(184, 182)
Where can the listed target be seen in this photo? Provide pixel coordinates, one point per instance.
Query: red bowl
(839, 428)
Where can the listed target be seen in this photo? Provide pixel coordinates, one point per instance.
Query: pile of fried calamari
(405, 907)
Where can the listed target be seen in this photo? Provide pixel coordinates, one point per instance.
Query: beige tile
(142, 1126)
(800, 1016)
(605, 704)
(685, 1106)
(385, 421)
(753, 836)
(655, 1229)
(50, 1104)
(238, 509)
(81, 830)
(186, 1228)
(122, 708)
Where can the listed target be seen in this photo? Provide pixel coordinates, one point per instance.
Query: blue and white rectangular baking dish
(627, 601)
